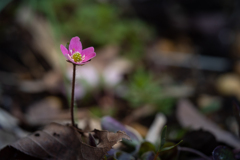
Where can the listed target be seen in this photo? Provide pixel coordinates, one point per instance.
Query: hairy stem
(72, 98)
(194, 151)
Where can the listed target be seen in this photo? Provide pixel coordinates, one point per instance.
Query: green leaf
(123, 156)
(145, 147)
(171, 147)
(171, 154)
(149, 156)
(163, 138)
(67, 46)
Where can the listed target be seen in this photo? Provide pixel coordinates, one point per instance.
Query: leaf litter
(65, 142)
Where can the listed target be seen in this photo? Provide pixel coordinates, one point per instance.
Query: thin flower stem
(72, 98)
(194, 151)
(156, 155)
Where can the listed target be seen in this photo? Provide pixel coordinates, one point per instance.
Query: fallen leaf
(42, 111)
(113, 125)
(61, 142)
(108, 139)
(171, 57)
(140, 128)
(156, 128)
(189, 116)
(8, 123)
(10, 153)
(40, 30)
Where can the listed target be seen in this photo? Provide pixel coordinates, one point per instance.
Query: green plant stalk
(163, 140)
(156, 155)
(72, 98)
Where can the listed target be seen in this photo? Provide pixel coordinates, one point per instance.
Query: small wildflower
(75, 54)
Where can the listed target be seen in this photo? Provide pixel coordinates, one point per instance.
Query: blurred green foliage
(99, 112)
(99, 24)
(4, 4)
(143, 90)
(96, 23)
(214, 106)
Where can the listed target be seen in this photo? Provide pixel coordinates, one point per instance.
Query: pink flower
(75, 54)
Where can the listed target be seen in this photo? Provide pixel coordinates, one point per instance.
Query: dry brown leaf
(108, 139)
(61, 142)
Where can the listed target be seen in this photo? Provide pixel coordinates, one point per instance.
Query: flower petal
(64, 51)
(72, 60)
(75, 45)
(89, 53)
(89, 56)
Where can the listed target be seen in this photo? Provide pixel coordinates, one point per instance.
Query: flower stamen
(77, 57)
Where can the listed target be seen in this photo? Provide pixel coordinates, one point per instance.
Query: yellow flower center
(77, 57)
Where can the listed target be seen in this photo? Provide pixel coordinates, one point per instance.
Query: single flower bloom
(75, 54)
